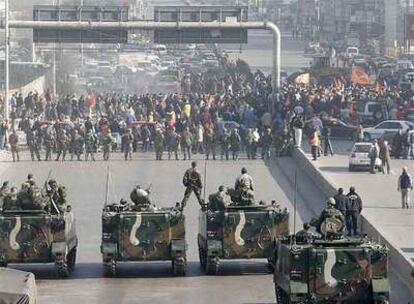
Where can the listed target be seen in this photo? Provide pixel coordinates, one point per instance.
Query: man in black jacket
(342, 201)
(353, 211)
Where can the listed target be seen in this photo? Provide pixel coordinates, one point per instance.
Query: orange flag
(358, 76)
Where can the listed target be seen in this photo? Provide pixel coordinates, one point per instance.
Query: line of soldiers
(51, 198)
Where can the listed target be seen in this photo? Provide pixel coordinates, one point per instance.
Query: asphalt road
(238, 282)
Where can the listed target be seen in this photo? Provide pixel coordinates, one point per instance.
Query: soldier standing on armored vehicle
(192, 182)
(10, 201)
(14, 141)
(30, 180)
(244, 186)
(57, 195)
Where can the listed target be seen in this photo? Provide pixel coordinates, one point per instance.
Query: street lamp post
(6, 59)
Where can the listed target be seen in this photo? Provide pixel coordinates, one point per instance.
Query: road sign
(76, 14)
(213, 14)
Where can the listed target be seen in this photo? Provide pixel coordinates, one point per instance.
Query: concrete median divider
(400, 264)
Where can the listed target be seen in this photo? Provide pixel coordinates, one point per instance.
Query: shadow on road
(146, 269)
(334, 169)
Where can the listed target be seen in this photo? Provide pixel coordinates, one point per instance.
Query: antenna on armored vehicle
(107, 185)
(295, 206)
(205, 180)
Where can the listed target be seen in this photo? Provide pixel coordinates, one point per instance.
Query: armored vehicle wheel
(281, 296)
(179, 266)
(212, 265)
(71, 259)
(110, 268)
(61, 266)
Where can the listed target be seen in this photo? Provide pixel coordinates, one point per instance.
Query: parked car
(340, 129)
(378, 131)
(358, 159)
(370, 111)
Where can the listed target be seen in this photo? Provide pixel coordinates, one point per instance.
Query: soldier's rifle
(49, 192)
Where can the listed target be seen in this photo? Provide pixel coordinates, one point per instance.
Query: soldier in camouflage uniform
(245, 188)
(91, 142)
(186, 143)
(57, 196)
(172, 143)
(210, 142)
(10, 201)
(33, 144)
(49, 145)
(107, 143)
(62, 143)
(127, 139)
(225, 144)
(14, 148)
(77, 145)
(330, 213)
(235, 141)
(220, 200)
(266, 142)
(159, 144)
(192, 183)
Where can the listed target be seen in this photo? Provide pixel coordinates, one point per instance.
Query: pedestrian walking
(373, 155)
(384, 155)
(14, 145)
(297, 124)
(405, 185)
(314, 143)
(354, 209)
(326, 133)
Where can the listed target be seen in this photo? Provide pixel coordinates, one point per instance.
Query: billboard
(76, 14)
(220, 14)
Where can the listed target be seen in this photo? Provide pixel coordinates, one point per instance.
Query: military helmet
(331, 201)
(194, 164)
(222, 188)
(51, 182)
(123, 201)
(29, 176)
(243, 170)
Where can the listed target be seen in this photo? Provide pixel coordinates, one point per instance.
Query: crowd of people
(177, 126)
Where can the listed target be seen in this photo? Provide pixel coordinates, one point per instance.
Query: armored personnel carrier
(239, 232)
(143, 234)
(330, 268)
(37, 228)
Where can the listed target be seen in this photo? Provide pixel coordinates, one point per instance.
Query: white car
(387, 126)
(358, 159)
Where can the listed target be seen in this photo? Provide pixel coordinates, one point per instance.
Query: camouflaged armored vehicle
(330, 268)
(36, 229)
(239, 232)
(143, 234)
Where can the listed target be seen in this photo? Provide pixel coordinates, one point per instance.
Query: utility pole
(6, 59)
